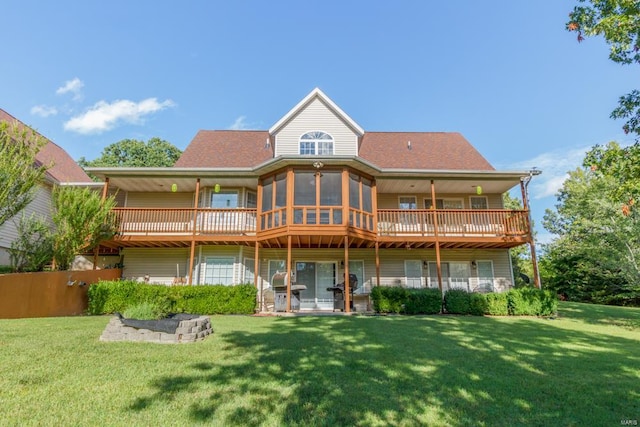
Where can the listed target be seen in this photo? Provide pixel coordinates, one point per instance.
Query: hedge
(529, 301)
(457, 301)
(107, 297)
(497, 304)
(395, 299)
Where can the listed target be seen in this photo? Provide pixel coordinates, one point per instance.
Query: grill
(338, 293)
(279, 283)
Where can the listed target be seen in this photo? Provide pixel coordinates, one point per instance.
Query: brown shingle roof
(226, 149)
(429, 150)
(64, 168)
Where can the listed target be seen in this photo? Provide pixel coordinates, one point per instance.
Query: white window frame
(419, 263)
(213, 258)
(316, 143)
(427, 202)
(248, 262)
(213, 193)
(493, 274)
(246, 202)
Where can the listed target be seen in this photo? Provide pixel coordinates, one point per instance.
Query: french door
(317, 277)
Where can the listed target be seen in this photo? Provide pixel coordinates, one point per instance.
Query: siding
(159, 200)
(158, 263)
(41, 205)
(390, 200)
(316, 117)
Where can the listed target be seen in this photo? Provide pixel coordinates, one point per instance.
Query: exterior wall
(157, 263)
(316, 117)
(235, 252)
(159, 200)
(390, 200)
(41, 205)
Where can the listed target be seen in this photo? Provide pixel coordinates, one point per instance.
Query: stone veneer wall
(188, 331)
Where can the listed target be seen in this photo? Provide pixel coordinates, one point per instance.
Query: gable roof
(428, 151)
(64, 168)
(226, 149)
(316, 93)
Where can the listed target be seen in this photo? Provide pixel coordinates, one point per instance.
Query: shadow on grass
(432, 370)
(596, 314)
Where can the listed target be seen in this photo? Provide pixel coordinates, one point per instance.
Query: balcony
(465, 227)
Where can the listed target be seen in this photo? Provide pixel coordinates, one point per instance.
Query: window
(249, 266)
(485, 275)
(218, 271)
(276, 266)
(478, 202)
(407, 202)
(316, 143)
(224, 199)
(252, 200)
(445, 204)
(413, 273)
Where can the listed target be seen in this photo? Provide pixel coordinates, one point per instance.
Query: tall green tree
(618, 21)
(82, 221)
(20, 173)
(597, 254)
(134, 153)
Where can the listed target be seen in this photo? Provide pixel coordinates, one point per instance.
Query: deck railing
(452, 222)
(391, 222)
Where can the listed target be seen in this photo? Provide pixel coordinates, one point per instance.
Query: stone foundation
(188, 331)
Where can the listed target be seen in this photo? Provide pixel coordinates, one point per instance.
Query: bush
(116, 296)
(423, 301)
(531, 301)
(388, 299)
(457, 301)
(497, 304)
(33, 249)
(478, 304)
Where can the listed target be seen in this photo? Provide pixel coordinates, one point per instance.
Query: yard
(582, 368)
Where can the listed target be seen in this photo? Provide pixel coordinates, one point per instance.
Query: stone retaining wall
(188, 331)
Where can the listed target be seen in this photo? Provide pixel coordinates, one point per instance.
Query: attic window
(316, 144)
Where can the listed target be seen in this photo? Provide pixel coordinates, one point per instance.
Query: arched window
(316, 144)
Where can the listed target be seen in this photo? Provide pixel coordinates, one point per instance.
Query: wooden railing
(181, 221)
(391, 222)
(452, 222)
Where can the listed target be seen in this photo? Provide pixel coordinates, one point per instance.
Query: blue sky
(503, 73)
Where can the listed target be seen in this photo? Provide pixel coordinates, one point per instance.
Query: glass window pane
(407, 202)
(267, 194)
(252, 200)
(354, 191)
(224, 199)
(281, 190)
(304, 189)
(325, 148)
(367, 206)
(307, 148)
(219, 271)
(479, 203)
(249, 265)
(331, 189)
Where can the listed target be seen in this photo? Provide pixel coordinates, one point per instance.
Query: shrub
(109, 297)
(145, 311)
(457, 301)
(423, 301)
(478, 304)
(531, 301)
(497, 304)
(388, 299)
(33, 249)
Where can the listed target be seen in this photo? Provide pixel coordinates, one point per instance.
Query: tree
(33, 249)
(134, 153)
(20, 173)
(597, 254)
(82, 221)
(618, 21)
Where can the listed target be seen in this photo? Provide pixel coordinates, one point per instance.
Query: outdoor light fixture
(216, 188)
(474, 265)
(425, 264)
(174, 188)
(478, 190)
(318, 165)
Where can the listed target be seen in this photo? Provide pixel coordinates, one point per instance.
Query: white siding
(316, 117)
(41, 205)
(160, 200)
(158, 263)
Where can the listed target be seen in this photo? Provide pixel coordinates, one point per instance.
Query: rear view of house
(314, 199)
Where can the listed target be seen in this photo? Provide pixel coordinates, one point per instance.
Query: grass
(582, 368)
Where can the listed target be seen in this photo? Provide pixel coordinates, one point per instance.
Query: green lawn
(582, 368)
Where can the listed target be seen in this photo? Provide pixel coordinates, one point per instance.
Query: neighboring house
(63, 170)
(316, 197)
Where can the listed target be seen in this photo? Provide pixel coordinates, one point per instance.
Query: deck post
(347, 285)
(96, 250)
(435, 233)
(256, 276)
(377, 263)
(289, 273)
(530, 239)
(193, 234)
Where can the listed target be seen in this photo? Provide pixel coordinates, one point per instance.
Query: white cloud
(240, 124)
(555, 166)
(72, 86)
(43, 110)
(104, 116)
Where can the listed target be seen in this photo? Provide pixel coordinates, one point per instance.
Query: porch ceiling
(443, 186)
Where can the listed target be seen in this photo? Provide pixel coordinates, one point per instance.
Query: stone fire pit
(175, 329)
